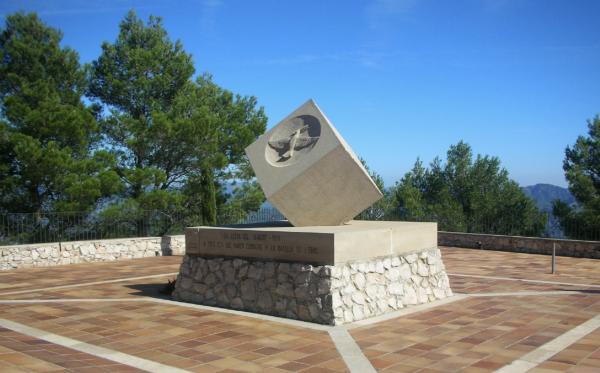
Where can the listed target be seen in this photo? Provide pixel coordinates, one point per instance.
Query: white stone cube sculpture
(309, 173)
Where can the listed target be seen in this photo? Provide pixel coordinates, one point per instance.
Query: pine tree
(47, 133)
(582, 170)
(176, 140)
(467, 195)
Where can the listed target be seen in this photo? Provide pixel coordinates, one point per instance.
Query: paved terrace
(509, 314)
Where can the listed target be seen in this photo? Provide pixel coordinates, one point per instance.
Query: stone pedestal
(327, 275)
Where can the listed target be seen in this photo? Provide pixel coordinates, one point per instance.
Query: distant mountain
(544, 194)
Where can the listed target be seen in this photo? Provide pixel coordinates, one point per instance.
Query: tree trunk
(208, 197)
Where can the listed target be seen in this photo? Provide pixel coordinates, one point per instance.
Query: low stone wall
(50, 254)
(172, 245)
(324, 294)
(531, 245)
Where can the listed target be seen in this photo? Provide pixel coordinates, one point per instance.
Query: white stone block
(359, 280)
(309, 173)
(358, 298)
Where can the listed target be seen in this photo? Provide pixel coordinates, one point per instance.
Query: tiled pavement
(521, 266)
(477, 334)
(148, 287)
(36, 278)
(581, 357)
(477, 285)
(474, 334)
(21, 353)
(186, 338)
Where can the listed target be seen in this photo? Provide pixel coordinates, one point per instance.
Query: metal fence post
(553, 257)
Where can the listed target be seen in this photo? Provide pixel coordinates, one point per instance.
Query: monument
(309, 173)
(319, 265)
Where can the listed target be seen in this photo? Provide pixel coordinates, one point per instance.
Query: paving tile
(519, 266)
(484, 339)
(581, 356)
(293, 366)
(472, 335)
(196, 337)
(44, 277)
(17, 355)
(401, 367)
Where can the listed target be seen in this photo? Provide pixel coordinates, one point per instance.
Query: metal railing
(549, 227)
(25, 228)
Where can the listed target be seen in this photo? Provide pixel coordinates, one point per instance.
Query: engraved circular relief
(292, 140)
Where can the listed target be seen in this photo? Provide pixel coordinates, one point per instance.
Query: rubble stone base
(326, 294)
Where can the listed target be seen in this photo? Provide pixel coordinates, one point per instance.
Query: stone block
(309, 173)
(317, 245)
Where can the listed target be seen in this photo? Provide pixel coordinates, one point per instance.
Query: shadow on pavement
(162, 291)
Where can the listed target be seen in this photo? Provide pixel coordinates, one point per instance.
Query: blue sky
(400, 79)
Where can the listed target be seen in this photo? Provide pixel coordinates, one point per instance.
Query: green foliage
(380, 209)
(208, 197)
(158, 140)
(176, 141)
(142, 71)
(46, 132)
(246, 197)
(139, 77)
(582, 170)
(153, 154)
(466, 195)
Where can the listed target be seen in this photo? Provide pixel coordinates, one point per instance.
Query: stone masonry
(325, 294)
(50, 254)
(517, 244)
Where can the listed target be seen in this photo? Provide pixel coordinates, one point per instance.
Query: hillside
(544, 194)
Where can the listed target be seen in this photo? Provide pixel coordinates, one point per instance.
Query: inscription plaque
(311, 248)
(317, 245)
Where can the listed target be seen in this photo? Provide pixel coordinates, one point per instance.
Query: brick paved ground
(150, 287)
(473, 334)
(581, 357)
(471, 285)
(34, 278)
(186, 338)
(524, 266)
(21, 353)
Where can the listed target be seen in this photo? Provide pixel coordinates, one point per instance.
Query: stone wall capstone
(517, 244)
(51, 254)
(326, 294)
